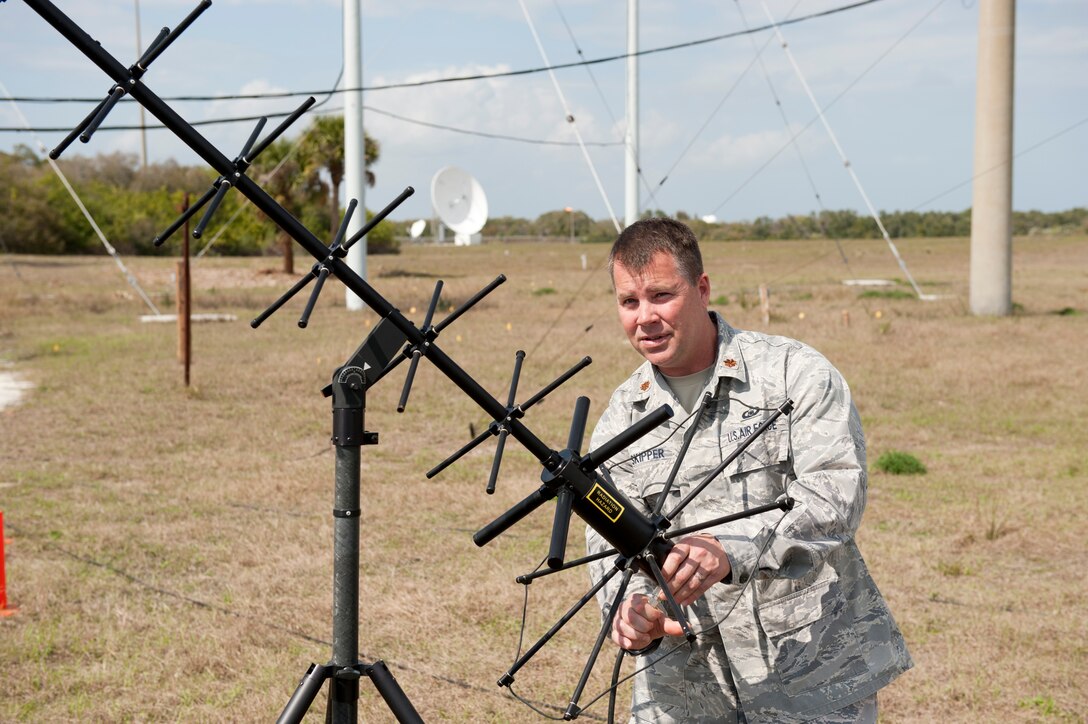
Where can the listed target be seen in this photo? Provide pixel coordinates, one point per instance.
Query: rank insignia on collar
(730, 363)
(645, 386)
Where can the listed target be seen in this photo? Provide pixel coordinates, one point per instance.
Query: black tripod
(348, 392)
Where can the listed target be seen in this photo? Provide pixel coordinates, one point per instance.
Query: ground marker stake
(4, 610)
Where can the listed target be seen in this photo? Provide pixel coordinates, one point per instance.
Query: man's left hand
(694, 564)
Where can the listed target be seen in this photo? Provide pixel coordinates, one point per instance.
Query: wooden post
(184, 308)
(765, 304)
(846, 317)
(288, 253)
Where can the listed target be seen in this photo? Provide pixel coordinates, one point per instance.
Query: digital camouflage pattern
(811, 633)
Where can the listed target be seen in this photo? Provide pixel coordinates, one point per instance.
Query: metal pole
(991, 204)
(354, 142)
(143, 121)
(630, 207)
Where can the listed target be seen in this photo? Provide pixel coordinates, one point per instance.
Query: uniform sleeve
(615, 420)
(826, 477)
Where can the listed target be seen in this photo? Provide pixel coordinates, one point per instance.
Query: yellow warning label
(605, 503)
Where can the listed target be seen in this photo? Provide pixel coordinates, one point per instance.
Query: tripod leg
(304, 695)
(394, 696)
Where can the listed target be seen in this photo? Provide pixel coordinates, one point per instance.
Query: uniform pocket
(651, 478)
(769, 449)
(801, 608)
(813, 645)
(758, 476)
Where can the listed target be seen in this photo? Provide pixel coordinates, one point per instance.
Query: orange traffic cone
(4, 610)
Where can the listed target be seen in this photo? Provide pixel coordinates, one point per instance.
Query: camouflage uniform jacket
(811, 633)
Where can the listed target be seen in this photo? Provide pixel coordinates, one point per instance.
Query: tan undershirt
(689, 388)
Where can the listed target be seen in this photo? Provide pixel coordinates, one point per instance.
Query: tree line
(844, 224)
(132, 205)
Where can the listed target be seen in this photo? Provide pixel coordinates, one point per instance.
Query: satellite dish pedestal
(463, 239)
(460, 204)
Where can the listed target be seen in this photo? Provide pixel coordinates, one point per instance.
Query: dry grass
(170, 548)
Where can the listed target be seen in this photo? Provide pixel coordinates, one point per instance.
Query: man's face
(665, 316)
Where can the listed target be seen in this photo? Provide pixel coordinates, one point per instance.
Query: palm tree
(292, 186)
(322, 149)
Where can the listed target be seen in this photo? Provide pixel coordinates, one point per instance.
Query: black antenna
(512, 413)
(430, 332)
(504, 432)
(565, 498)
(225, 184)
(240, 165)
(94, 119)
(321, 270)
(418, 352)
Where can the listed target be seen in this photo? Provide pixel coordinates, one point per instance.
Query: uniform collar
(728, 363)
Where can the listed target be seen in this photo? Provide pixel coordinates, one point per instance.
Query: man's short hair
(636, 246)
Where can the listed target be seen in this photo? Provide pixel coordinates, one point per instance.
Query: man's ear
(703, 285)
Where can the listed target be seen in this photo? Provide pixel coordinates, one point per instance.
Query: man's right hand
(638, 624)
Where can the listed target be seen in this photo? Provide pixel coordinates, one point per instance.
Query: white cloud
(504, 106)
(751, 149)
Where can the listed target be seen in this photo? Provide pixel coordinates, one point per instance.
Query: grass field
(170, 547)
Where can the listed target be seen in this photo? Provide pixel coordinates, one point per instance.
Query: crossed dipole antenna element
(86, 128)
(239, 166)
(321, 270)
(646, 556)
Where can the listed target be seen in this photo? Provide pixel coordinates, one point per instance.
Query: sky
(896, 77)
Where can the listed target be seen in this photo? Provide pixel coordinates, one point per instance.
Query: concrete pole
(630, 177)
(991, 205)
(143, 118)
(354, 144)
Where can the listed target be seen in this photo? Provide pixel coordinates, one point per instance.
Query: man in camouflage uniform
(790, 625)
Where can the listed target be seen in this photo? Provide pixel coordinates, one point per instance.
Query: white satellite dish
(416, 229)
(460, 204)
